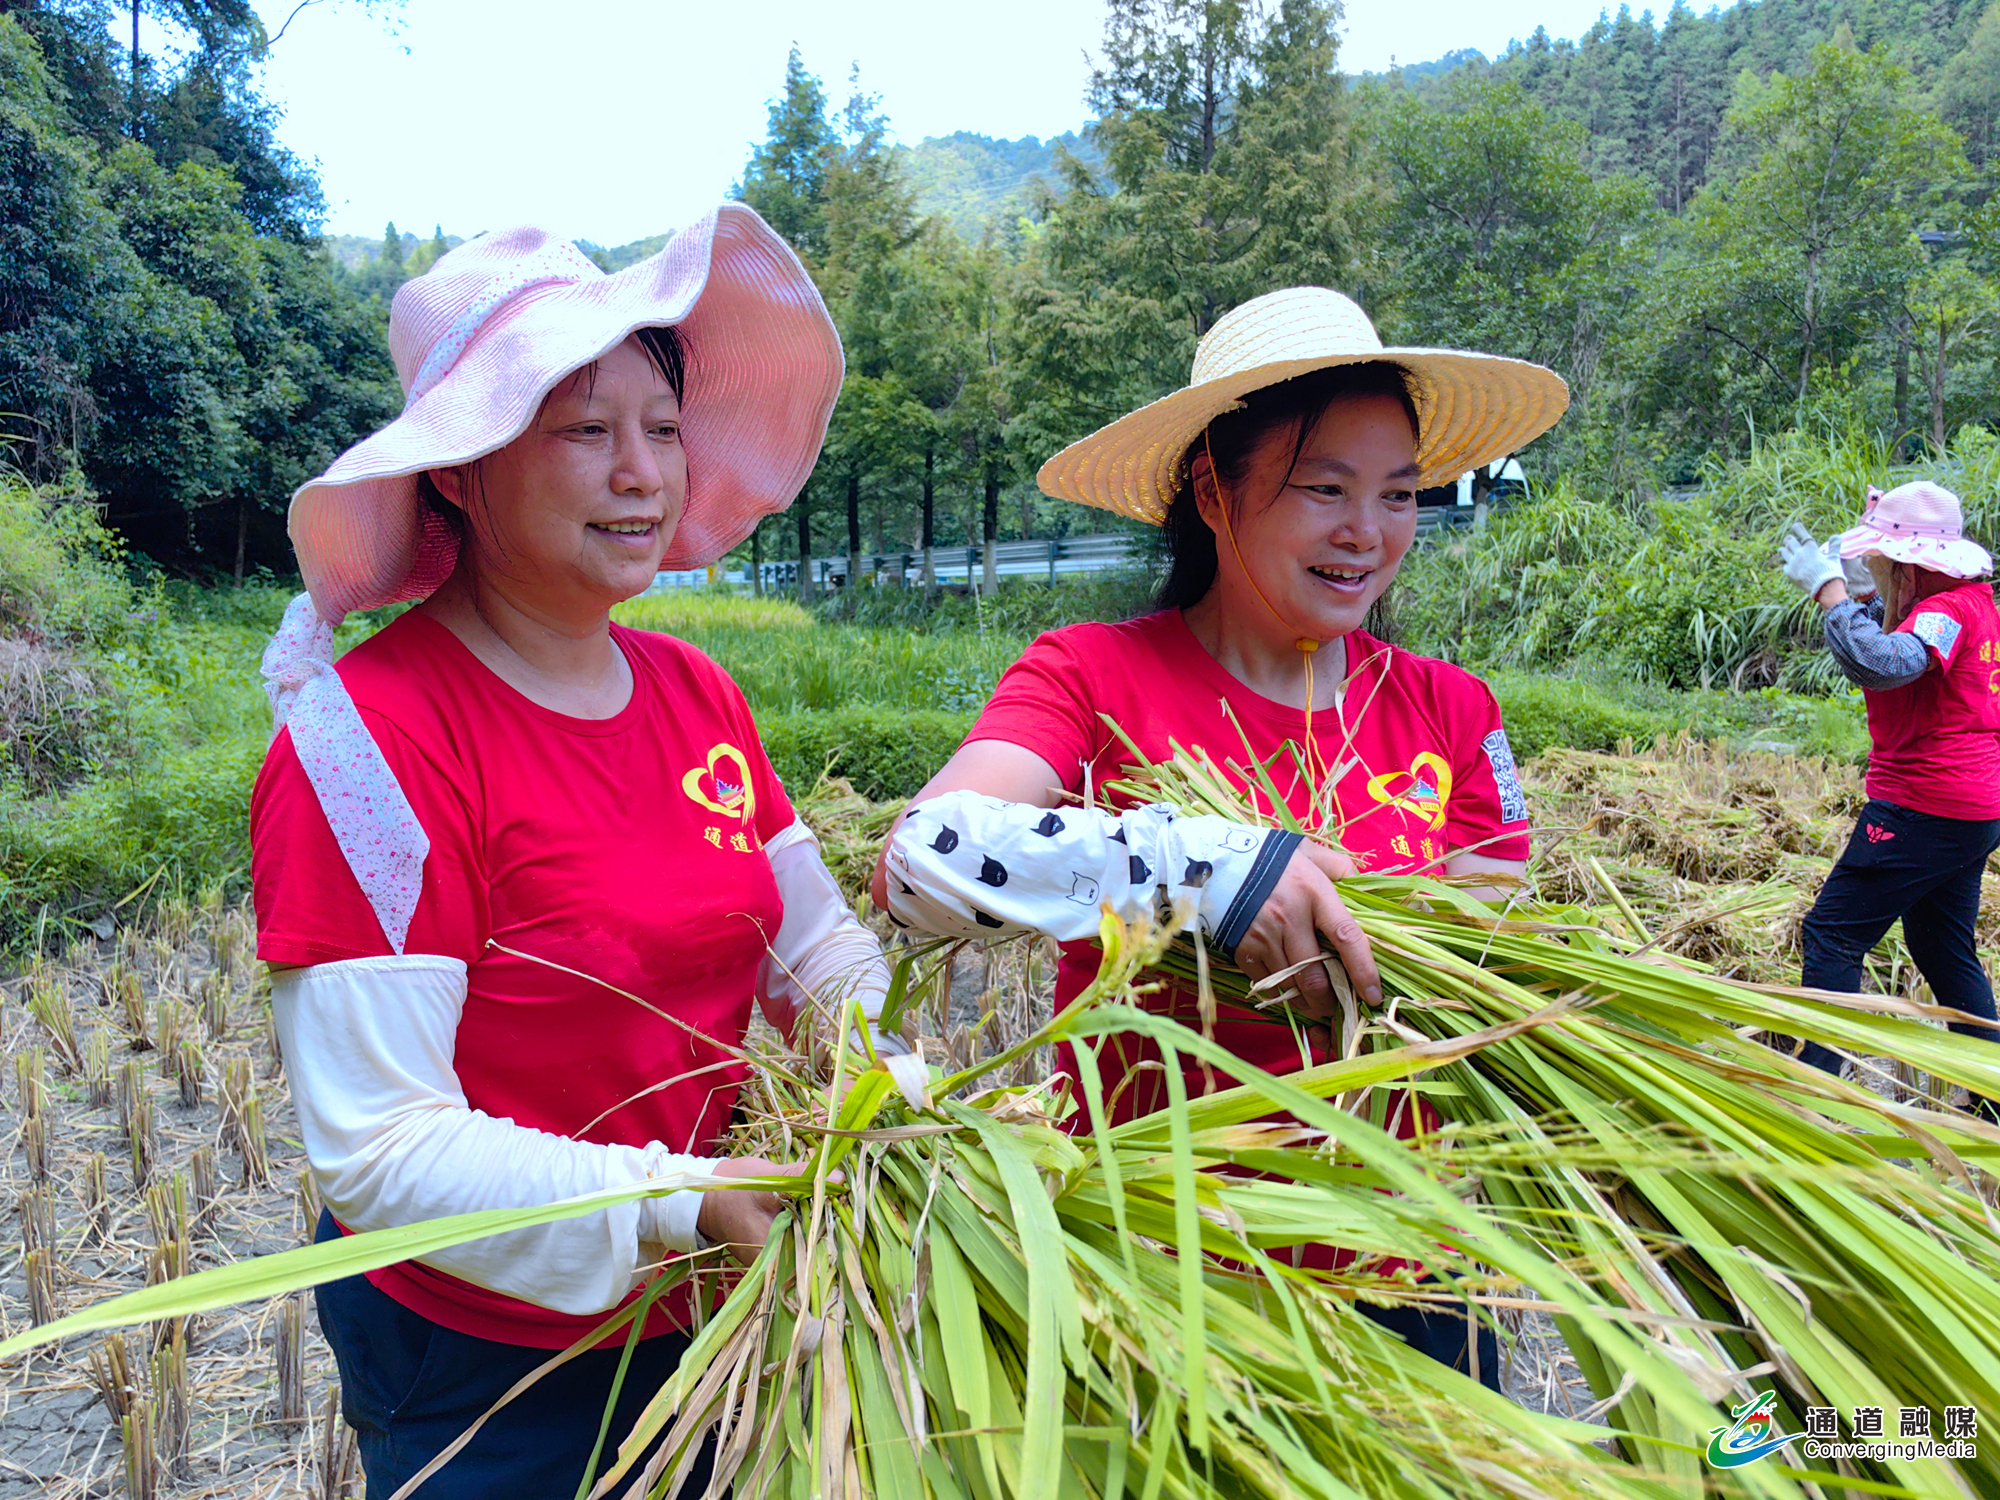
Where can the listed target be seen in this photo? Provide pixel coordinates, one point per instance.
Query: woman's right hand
(1287, 931)
(739, 1219)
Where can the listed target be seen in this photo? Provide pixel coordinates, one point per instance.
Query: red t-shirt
(1936, 741)
(1427, 769)
(628, 848)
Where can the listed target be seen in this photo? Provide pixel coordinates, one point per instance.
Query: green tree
(381, 277)
(1792, 265)
(55, 257)
(168, 327)
(870, 226)
(1952, 310)
(1231, 172)
(785, 180)
(1505, 241)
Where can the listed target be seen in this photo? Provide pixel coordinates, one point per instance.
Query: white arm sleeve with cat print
(972, 866)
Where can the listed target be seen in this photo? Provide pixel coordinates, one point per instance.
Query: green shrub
(1542, 712)
(1022, 607)
(1679, 590)
(885, 752)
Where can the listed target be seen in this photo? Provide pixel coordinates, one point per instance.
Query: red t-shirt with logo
(629, 849)
(1424, 768)
(1936, 741)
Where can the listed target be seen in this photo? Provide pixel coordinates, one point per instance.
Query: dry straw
(49, 1005)
(288, 1348)
(97, 1069)
(96, 1195)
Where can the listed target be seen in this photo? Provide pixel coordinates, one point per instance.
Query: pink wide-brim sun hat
(1919, 523)
(484, 335)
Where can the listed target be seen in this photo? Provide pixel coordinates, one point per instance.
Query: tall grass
(786, 661)
(1681, 590)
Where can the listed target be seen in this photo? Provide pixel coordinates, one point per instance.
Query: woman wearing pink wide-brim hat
(519, 872)
(1910, 622)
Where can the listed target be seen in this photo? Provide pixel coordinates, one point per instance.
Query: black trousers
(1925, 870)
(1444, 1335)
(409, 1387)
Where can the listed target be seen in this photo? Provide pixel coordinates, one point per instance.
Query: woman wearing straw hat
(518, 870)
(1910, 624)
(1285, 475)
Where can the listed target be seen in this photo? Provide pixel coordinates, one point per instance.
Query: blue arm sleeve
(1870, 656)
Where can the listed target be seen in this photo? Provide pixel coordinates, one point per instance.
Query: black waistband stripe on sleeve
(1264, 872)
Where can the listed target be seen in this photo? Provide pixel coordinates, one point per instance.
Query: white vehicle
(1505, 482)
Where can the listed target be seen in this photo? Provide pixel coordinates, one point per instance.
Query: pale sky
(624, 118)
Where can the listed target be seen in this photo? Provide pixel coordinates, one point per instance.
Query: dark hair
(664, 347)
(1234, 438)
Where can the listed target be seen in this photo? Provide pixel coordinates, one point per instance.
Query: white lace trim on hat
(372, 821)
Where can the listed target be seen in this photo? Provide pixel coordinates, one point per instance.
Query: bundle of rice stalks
(990, 1292)
(1821, 1241)
(849, 827)
(968, 1300)
(1701, 811)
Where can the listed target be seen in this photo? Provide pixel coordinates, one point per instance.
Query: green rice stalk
(1820, 1240)
(49, 1005)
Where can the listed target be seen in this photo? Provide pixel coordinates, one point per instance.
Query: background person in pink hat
(1911, 625)
(520, 872)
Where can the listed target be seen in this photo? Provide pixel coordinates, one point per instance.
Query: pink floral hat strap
(372, 821)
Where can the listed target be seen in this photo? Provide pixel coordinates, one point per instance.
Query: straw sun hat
(1920, 523)
(483, 336)
(1471, 408)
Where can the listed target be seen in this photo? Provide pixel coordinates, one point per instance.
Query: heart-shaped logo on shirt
(723, 785)
(1424, 790)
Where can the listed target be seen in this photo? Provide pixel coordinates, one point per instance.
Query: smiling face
(576, 513)
(1321, 537)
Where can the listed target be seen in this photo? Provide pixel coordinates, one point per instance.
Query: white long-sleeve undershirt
(391, 1138)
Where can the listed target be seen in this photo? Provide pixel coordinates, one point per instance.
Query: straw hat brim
(764, 368)
(1471, 410)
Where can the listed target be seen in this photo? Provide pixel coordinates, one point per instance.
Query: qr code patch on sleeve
(1500, 756)
(1937, 630)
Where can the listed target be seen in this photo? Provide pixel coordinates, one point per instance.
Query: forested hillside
(1654, 97)
(973, 181)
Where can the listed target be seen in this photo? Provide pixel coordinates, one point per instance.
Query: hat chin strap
(1316, 767)
(373, 823)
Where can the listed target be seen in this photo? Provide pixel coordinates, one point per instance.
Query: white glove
(1805, 564)
(967, 865)
(1860, 582)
